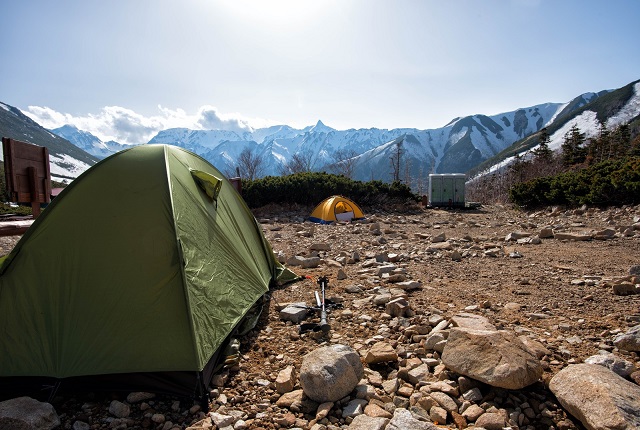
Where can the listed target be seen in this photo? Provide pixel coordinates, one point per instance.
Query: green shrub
(312, 187)
(610, 183)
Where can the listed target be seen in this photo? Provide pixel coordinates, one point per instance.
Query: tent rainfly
(336, 208)
(133, 278)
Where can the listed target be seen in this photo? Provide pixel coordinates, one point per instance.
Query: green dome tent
(133, 277)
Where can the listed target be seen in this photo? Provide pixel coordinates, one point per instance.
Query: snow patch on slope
(65, 166)
(628, 111)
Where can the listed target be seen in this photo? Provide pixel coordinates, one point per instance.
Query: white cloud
(129, 127)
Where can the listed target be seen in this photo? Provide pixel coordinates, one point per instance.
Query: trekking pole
(324, 326)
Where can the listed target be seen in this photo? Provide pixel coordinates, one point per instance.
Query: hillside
(611, 108)
(67, 160)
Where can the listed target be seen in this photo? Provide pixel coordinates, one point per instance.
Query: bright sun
(274, 12)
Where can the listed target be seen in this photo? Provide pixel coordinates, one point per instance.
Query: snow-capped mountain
(88, 142)
(67, 161)
(612, 108)
(464, 145)
(457, 147)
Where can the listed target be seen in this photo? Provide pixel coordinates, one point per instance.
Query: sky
(126, 69)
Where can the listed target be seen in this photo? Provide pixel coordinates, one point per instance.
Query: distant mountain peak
(320, 128)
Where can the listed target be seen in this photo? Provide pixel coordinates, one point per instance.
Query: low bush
(313, 187)
(610, 183)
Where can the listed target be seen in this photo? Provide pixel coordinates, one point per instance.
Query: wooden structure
(27, 174)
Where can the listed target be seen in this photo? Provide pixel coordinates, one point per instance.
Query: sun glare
(274, 12)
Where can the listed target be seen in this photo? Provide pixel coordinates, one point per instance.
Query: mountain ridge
(465, 145)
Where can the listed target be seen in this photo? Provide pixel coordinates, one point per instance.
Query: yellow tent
(336, 208)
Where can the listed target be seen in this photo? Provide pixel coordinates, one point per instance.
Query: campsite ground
(558, 291)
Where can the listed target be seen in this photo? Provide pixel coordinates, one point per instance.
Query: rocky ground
(558, 278)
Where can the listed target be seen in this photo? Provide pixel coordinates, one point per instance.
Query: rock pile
(490, 319)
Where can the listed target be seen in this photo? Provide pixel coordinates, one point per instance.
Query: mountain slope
(67, 160)
(612, 108)
(88, 142)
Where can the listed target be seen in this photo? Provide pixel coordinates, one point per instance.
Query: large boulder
(598, 397)
(25, 413)
(330, 373)
(473, 321)
(495, 357)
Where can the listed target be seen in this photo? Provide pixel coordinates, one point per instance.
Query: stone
(286, 380)
(473, 412)
(323, 410)
(390, 386)
(354, 408)
(472, 321)
(438, 415)
(497, 358)
(418, 374)
(221, 420)
(330, 373)
(445, 387)
(473, 395)
(625, 289)
(409, 285)
(572, 236)
(491, 421)
(617, 365)
(320, 247)
(288, 399)
(403, 420)
(516, 235)
(311, 262)
(294, 312)
(598, 397)
(119, 409)
(629, 341)
(545, 233)
(381, 352)
(365, 422)
(398, 307)
(27, 413)
(537, 348)
(444, 401)
(374, 410)
(139, 396)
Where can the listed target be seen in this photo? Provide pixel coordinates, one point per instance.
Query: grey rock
(295, 312)
(221, 420)
(364, 422)
(617, 365)
(330, 373)
(119, 409)
(311, 262)
(354, 408)
(572, 236)
(404, 420)
(25, 413)
(629, 341)
(417, 374)
(598, 397)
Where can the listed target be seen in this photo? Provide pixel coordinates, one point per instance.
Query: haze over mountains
(458, 147)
